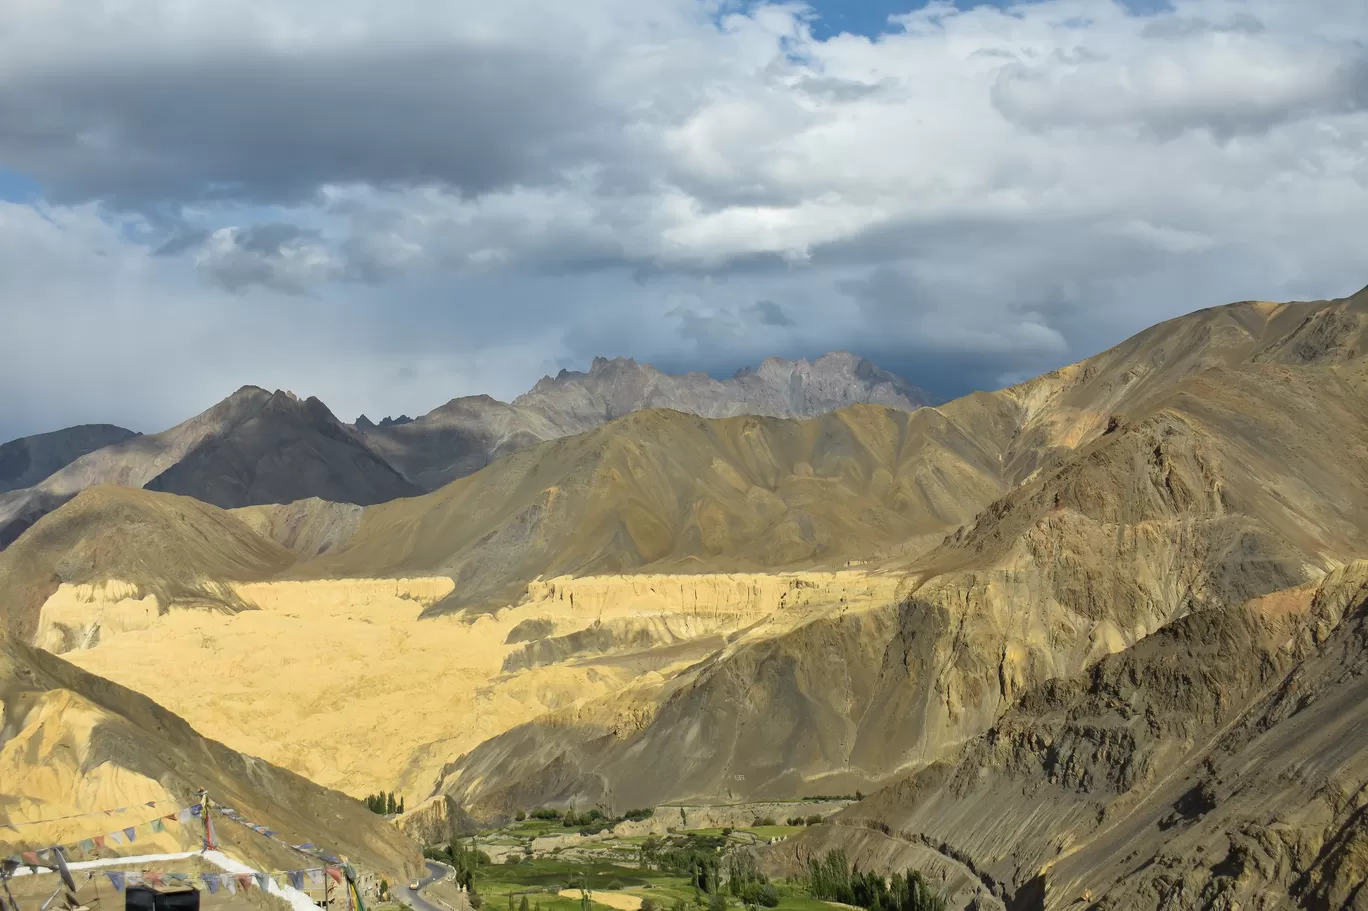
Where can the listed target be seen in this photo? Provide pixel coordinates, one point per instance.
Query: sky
(389, 204)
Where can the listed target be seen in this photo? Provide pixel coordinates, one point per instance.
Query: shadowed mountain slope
(1221, 762)
(26, 461)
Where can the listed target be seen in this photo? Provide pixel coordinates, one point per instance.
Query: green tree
(522, 905)
(717, 902)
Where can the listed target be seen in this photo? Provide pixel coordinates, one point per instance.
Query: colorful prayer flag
(87, 845)
(211, 880)
(158, 826)
(335, 873)
(131, 833)
(99, 841)
(179, 877)
(297, 878)
(30, 857)
(230, 883)
(264, 881)
(152, 804)
(316, 875)
(153, 878)
(115, 837)
(117, 879)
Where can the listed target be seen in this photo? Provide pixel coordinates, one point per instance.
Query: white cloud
(552, 181)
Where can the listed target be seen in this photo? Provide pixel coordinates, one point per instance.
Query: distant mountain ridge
(468, 433)
(254, 447)
(259, 448)
(27, 460)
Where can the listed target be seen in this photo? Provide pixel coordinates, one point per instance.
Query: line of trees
(589, 822)
(832, 878)
(384, 803)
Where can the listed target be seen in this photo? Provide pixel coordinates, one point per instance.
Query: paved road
(413, 899)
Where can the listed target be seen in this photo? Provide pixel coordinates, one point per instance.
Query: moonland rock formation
(253, 447)
(466, 434)
(26, 461)
(75, 743)
(675, 608)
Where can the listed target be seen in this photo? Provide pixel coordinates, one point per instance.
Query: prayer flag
(135, 879)
(87, 845)
(116, 837)
(230, 883)
(99, 841)
(184, 815)
(335, 873)
(297, 878)
(180, 877)
(316, 875)
(152, 804)
(211, 880)
(131, 833)
(153, 878)
(264, 881)
(30, 857)
(117, 879)
(158, 826)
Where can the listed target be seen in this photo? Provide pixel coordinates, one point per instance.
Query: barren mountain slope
(1221, 762)
(173, 549)
(72, 742)
(253, 447)
(670, 490)
(468, 433)
(26, 461)
(1208, 498)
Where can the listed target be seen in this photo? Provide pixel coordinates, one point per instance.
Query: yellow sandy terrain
(340, 681)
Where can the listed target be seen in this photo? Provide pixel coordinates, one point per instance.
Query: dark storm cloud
(769, 313)
(275, 255)
(273, 128)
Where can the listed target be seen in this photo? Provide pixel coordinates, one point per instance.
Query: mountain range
(1093, 640)
(257, 447)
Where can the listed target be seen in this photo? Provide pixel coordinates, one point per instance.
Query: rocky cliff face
(1218, 763)
(468, 433)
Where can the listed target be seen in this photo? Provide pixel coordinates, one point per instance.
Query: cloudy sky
(388, 204)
